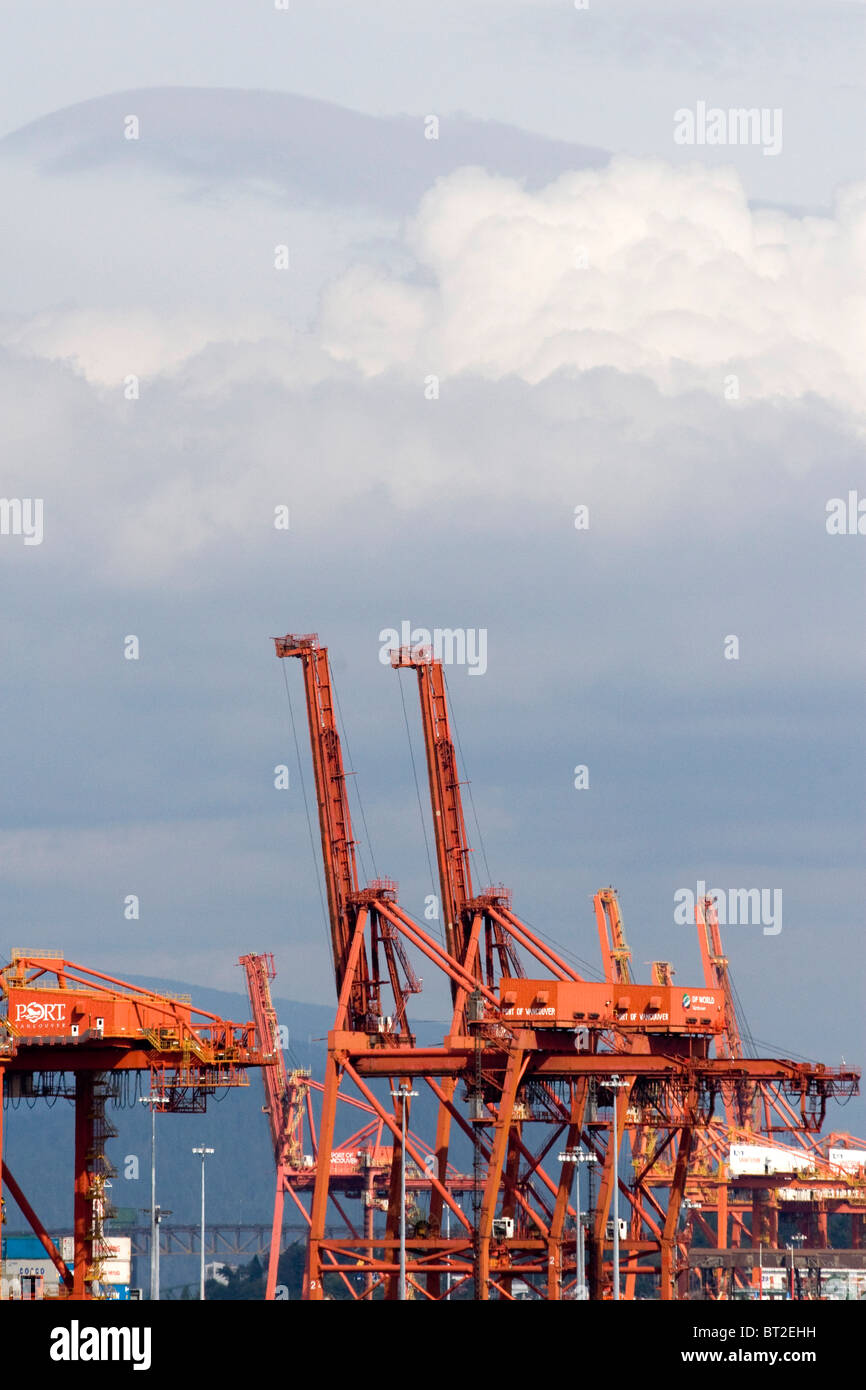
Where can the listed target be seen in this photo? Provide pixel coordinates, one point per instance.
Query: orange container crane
(362, 967)
(66, 1030)
(643, 1020)
(709, 1185)
(573, 1000)
(525, 1051)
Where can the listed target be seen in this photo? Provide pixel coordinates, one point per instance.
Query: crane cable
(745, 1030)
(466, 776)
(585, 966)
(345, 739)
(420, 807)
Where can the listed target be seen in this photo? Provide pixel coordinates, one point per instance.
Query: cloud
(106, 346)
(186, 875)
(642, 267)
(611, 309)
(661, 272)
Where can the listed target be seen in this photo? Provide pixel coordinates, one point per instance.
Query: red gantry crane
(69, 1031)
(364, 965)
(528, 1061)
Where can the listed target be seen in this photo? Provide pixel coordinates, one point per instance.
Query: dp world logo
(687, 1001)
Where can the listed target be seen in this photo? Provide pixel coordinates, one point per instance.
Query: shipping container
(852, 1160)
(20, 1247)
(13, 1271)
(758, 1160)
(112, 1248)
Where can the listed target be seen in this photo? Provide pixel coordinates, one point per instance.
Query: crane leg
(313, 1289)
(504, 1121)
(276, 1233)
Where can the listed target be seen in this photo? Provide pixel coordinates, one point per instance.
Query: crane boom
(449, 827)
(739, 1101)
(504, 933)
(358, 963)
(283, 1093)
(335, 822)
(715, 963)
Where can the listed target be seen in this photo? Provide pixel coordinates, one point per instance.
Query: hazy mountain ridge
(323, 151)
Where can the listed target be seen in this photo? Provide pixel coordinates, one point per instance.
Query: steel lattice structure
(69, 1031)
(530, 1060)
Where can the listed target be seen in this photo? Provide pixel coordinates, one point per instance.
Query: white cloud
(241, 411)
(106, 346)
(683, 283)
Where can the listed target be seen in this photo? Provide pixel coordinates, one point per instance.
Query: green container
(125, 1216)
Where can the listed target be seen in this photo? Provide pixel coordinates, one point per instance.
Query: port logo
(35, 1012)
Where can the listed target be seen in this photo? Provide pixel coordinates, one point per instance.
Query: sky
(536, 338)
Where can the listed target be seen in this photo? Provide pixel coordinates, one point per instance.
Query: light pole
(430, 1164)
(615, 1083)
(403, 1095)
(153, 1101)
(798, 1239)
(687, 1206)
(578, 1157)
(204, 1152)
(760, 1272)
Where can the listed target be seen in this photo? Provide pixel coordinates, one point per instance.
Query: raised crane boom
(449, 826)
(350, 907)
(504, 933)
(335, 822)
(715, 963)
(284, 1097)
(284, 1118)
(739, 1101)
